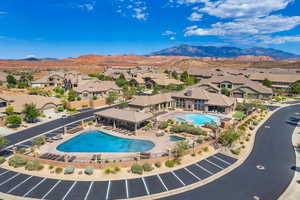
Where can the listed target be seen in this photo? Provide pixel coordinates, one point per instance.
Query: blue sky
(68, 28)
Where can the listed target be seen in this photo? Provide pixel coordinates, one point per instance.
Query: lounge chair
(72, 159)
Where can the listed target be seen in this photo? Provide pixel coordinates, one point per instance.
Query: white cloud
(87, 6)
(195, 16)
(255, 26)
(3, 12)
(172, 38)
(168, 32)
(134, 8)
(277, 39)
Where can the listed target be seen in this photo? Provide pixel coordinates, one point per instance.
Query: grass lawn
(238, 115)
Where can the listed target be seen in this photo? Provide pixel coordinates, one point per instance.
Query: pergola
(128, 119)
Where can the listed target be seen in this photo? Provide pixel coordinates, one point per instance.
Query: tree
(72, 95)
(11, 81)
(121, 81)
(295, 88)
(9, 110)
(3, 142)
(184, 76)
(229, 136)
(225, 91)
(31, 113)
(13, 120)
(181, 148)
(267, 83)
(174, 75)
(112, 97)
(156, 89)
(38, 141)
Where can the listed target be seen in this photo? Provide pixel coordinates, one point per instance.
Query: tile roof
(151, 100)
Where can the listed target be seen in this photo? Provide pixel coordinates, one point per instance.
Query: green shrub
(60, 109)
(177, 161)
(58, 170)
(193, 154)
(89, 170)
(187, 128)
(22, 150)
(17, 161)
(199, 140)
(163, 125)
(2, 160)
(236, 151)
(33, 165)
(200, 152)
(205, 149)
(117, 168)
(158, 164)
(51, 167)
(170, 163)
(69, 169)
(255, 122)
(137, 169)
(298, 145)
(108, 171)
(147, 167)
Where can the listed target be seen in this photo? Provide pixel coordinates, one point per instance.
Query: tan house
(18, 102)
(238, 86)
(96, 87)
(154, 103)
(279, 81)
(202, 100)
(127, 119)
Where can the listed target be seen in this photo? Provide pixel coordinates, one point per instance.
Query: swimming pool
(174, 138)
(97, 141)
(198, 119)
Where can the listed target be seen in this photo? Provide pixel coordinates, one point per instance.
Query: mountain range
(223, 52)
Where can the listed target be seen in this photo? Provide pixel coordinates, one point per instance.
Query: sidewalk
(293, 190)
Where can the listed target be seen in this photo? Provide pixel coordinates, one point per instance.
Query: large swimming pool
(97, 141)
(198, 119)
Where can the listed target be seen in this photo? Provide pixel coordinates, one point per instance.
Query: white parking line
(178, 178)
(145, 185)
(70, 189)
(12, 189)
(108, 188)
(222, 160)
(199, 179)
(51, 189)
(213, 164)
(4, 172)
(34, 187)
(204, 169)
(162, 182)
(17, 174)
(88, 192)
(126, 185)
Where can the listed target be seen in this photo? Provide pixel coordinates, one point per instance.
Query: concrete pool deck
(161, 144)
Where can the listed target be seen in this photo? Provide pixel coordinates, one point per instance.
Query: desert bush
(170, 163)
(17, 161)
(147, 167)
(69, 169)
(137, 169)
(33, 165)
(163, 125)
(108, 171)
(58, 170)
(236, 151)
(205, 149)
(2, 160)
(89, 170)
(117, 168)
(158, 164)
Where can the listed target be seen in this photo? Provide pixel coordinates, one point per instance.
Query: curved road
(273, 149)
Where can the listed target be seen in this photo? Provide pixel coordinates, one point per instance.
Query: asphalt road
(273, 150)
(45, 127)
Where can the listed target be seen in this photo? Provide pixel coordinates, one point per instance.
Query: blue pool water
(174, 138)
(96, 141)
(198, 119)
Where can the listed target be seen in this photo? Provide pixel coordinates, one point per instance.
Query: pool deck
(162, 144)
(175, 113)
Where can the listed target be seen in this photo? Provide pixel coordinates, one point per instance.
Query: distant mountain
(223, 52)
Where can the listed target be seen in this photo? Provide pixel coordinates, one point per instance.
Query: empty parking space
(25, 187)
(154, 184)
(44, 186)
(59, 191)
(13, 182)
(202, 174)
(208, 166)
(225, 158)
(136, 187)
(117, 190)
(186, 177)
(6, 175)
(78, 191)
(98, 191)
(218, 162)
(170, 181)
